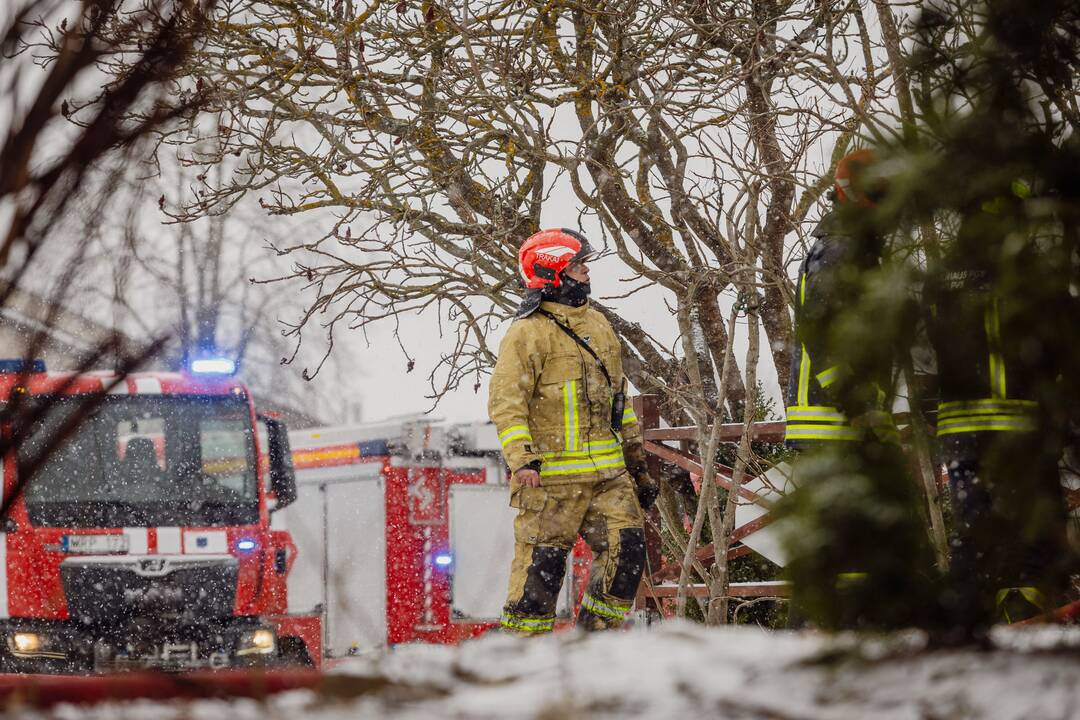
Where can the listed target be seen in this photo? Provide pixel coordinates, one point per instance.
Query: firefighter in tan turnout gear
(557, 398)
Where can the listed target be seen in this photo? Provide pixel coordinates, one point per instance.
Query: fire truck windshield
(145, 460)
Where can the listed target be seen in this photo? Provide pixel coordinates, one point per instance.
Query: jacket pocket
(557, 414)
(523, 497)
(560, 368)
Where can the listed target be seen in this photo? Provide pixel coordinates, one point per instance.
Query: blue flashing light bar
(21, 366)
(443, 559)
(246, 545)
(213, 366)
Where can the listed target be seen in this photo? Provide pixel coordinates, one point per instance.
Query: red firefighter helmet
(544, 256)
(854, 185)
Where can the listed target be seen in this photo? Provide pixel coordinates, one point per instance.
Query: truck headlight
(257, 642)
(25, 642)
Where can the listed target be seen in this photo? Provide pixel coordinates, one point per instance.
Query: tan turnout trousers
(549, 520)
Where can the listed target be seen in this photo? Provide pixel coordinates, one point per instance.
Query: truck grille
(110, 590)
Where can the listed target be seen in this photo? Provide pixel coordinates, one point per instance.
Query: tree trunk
(718, 608)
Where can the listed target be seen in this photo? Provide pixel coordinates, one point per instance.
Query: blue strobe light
(444, 559)
(245, 545)
(213, 366)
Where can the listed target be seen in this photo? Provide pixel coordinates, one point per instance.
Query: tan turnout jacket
(550, 402)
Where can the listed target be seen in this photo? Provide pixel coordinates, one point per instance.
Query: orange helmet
(852, 184)
(544, 256)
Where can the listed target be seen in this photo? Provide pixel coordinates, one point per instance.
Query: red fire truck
(143, 540)
(405, 533)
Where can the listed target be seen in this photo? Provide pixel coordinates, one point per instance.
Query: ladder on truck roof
(412, 436)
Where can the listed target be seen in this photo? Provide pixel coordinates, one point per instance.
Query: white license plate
(169, 656)
(95, 543)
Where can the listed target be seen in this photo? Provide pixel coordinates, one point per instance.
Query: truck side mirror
(282, 474)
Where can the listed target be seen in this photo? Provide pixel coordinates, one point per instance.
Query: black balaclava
(570, 292)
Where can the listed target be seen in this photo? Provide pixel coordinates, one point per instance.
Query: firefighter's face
(578, 271)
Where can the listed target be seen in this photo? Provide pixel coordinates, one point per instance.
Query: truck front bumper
(36, 646)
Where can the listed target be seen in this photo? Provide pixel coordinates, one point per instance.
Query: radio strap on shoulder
(618, 395)
(576, 338)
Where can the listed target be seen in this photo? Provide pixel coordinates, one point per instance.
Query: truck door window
(224, 453)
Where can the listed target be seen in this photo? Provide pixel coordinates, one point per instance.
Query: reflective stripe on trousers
(520, 623)
(604, 609)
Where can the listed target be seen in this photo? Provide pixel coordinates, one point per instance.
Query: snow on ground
(675, 671)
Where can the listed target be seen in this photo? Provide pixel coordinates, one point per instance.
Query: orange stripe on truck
(326, 456)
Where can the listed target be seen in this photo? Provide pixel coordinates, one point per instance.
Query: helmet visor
(586, 253)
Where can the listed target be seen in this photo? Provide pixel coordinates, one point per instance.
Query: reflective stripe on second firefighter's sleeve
(986, 415)
(988, 406)
(514, 432)
(802, 395)
(628, 415)
(828, 376)
(986, 423)
(996, 360)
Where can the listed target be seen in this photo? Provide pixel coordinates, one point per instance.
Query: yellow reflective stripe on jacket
(561, 465)
(997, 362)
(570, 416)
(584, 465)
(956, 408)
(514, 432)
(986, 415)
(593, 447)
(828, 376)
(578, 457)
(803, 395)
(628, 415)
(821, 432)
(604, 609)
(818, 422)
(526, 624)
(815, 413)
(804, 377)
(603, 445)
(986, 423)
